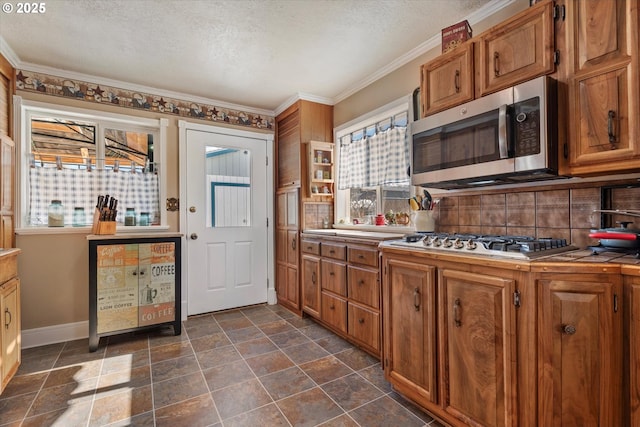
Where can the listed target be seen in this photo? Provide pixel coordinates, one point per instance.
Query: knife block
(102, 227)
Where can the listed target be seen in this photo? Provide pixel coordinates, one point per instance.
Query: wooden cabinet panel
(7, 180)
(10, 342)
(292, 247)
(331, 250)
(604, 86)
(364, 256)
(364, 325)
(311, 285)
(334, 311)
(632, 308)
(517, 50)
(364, 286)
(410, 327)
(477, 348)
(310, 247)
(281, 246)
(334, 276)
(447, 81)
(293, 287)
(288, 148)
(580, 353)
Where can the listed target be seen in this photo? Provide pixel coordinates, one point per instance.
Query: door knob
(193, 236)
(192, 209)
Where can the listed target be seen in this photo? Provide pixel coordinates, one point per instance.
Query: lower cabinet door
(364, 326)
(334, 311)
(311, 285)
(10, 333)
(477, 348)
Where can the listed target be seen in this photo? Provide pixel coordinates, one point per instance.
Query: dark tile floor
(255, 366)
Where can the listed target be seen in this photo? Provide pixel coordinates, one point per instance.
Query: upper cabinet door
(447, 80)
(602, 51)
(517, 50)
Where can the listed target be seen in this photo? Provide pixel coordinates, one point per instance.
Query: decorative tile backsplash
(101, 94)
(560, 213)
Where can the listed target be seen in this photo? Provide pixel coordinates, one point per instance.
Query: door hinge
(556, 57)
(559, 12)
(267, 160)
(615, 303)
(386, 362)
(516, 298)
(267, 222)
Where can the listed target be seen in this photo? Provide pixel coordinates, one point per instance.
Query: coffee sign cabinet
(134, 283)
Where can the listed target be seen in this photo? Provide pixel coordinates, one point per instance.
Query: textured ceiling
(254, 53)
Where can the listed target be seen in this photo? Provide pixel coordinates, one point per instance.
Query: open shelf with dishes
(321, 170)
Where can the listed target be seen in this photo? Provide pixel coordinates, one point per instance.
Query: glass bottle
(144, 218)
(55, 216)
(79, 219)
(130, 217)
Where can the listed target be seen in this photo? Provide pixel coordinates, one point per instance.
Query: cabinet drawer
(331, 250)
(363, 256)
(333, 276)
(364, 286)
(364, 325)
(311, 247)
(334, 311)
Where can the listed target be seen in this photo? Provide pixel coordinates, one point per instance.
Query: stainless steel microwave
(505, 137)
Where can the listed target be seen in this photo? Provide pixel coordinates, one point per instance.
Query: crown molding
(433, 42)
(8, 53)
(302, 96)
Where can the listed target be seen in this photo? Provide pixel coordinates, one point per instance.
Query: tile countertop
(154, 235)
(9, 252)
(363, 234)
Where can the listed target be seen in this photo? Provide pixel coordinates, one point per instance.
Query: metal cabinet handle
(361, 320)
(456, 312)
(313, 277)
(568, 329)
(7, 323)
(293, 244)
(331, 273)
(331, 307)
(496, 64)
(416, 299)
(612, 136)
(332, 251)
(361, 282)
(456, 81)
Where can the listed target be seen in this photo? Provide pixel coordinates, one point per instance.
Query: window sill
(28, 231)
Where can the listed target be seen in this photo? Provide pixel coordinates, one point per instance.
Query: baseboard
(54, 334)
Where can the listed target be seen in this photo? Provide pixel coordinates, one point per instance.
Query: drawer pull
(360, 256)
(309, 248)
(361, 320)
(361, 282)
(416, 299)
(313, 277)
(331, 273)
(568, 329)
(332, 251)
(7, 322)
(332, 307)
(456, 312)
(612, 136)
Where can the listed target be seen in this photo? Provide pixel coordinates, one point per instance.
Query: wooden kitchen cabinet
(10, 335)
(287, 249)
(632, 348)
(477, 347)
(349, 293)
(321, 171)
(580, 350)
(409, 307)
(447, 81)
(302, 122)
(7, 155)
(311, 280)
(601, 44)
(453, 332)
(518, 49)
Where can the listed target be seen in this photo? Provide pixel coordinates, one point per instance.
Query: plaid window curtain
(79, 188)
(380, 159)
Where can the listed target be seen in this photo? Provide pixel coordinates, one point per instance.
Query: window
(373, 160)
(74, 155)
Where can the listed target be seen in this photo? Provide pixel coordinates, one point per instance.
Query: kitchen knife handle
(456, 312)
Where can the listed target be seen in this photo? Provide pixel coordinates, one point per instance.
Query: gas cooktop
(516, 247)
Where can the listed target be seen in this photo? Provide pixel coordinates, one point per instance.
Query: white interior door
(226, 221)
